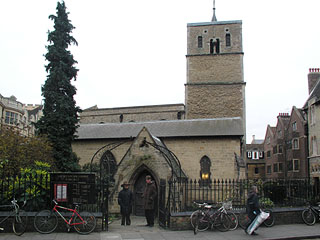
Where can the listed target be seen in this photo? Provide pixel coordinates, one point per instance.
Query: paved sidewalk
(137, 231)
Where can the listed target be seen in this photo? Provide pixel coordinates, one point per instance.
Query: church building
(204, 138)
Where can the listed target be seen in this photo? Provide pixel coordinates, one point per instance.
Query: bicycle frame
(315, 210)
(74, 213)
(14, 210)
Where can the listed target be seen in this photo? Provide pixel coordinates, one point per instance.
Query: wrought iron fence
(37, 190)
(272, 192)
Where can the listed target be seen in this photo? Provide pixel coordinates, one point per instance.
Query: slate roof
(174, 128)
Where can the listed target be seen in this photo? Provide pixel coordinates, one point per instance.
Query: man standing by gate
(125, 199)
(150, 195)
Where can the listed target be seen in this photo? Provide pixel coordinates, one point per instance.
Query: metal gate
(164, 219)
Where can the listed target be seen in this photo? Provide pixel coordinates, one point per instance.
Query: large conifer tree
(60, 113)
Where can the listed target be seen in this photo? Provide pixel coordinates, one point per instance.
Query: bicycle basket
(227, 205)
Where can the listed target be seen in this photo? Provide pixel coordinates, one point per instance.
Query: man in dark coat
(253, 207)
(125, 200)
(150, 196)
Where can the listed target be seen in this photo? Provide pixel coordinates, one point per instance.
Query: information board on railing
(73, 187)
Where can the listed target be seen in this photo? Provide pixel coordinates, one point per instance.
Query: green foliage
(60, 113)
(266, 202)
(95, 167)
(18, 151)
(32, 184)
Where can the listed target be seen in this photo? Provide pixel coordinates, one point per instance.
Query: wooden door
(138, 193)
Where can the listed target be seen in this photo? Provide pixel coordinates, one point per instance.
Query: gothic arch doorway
(139, 186)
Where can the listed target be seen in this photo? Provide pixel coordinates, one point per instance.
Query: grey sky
(132, 53)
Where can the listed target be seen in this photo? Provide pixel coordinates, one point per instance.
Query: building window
(314, 147)
(280, 149)
(275, 150)
(261, 155)
(11, 118)
(255, 155)
(296, 165)
(312, 116)
(109, 164)
(256, 170)
(294, 126)
(275, 167)
(205, 174)
(249, 154)
(269, 169)
(279, 134)
(214, 46)
(200, 42)
(295, 143)
(280, 167)
(228, 40)
(269, 154)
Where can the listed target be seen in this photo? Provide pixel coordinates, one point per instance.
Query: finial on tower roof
(214, 19)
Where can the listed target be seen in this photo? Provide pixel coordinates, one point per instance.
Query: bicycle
(220, 219)
(244, 219)
(309, 214)
(20, 218)
(46, 221)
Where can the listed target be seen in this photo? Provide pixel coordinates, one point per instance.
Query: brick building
(285, 147)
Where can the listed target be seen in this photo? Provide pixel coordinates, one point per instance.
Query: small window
(296, 165)
(249, 154)
(280, 149)
(295, 143)
(269, 169)
(228, 40)
(269, 154)
(294, 126)
(256, 170)
(275, 150)
(280, 167)
(200, 42)
(255, 155)
(275, 167)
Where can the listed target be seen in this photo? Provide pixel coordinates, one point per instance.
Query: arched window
(228, 40)
(109, 164)
(205, 173)
(200, 41)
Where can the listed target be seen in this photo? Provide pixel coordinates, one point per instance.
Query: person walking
(125, 200)
(253, 207)
(150, 195)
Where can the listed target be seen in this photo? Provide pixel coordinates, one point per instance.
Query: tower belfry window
(214, 46)
(200, 42)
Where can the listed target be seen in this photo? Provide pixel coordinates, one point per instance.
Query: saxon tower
(215, 86)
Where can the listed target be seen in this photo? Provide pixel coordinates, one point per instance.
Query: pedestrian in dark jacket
(253, 207)
(125, 200)
(150, 196)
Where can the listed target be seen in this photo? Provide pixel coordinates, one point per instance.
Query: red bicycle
(46, 221)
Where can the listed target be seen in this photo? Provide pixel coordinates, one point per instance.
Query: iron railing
(274, 192)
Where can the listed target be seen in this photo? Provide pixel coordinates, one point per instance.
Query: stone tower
(215, 86)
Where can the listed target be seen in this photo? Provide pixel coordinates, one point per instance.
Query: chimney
(313, 78)
(253, 139)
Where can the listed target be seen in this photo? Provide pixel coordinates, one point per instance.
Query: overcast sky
(132, 53)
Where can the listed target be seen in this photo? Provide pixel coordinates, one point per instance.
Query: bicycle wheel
(222, 222)
(87, 225)
(45, 221)
(308, 217)
(198, 221)
(234, 221)
(269, 222)
(19, 223)
(243, 220)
